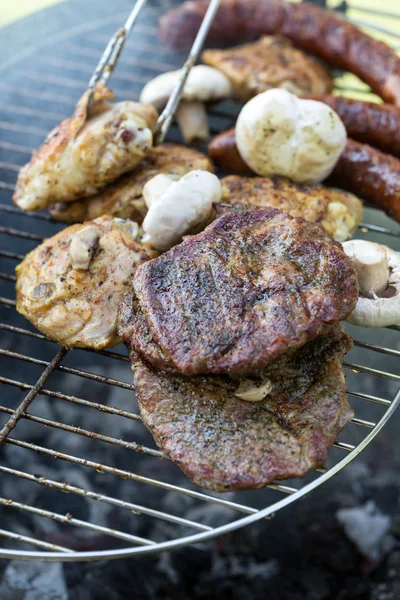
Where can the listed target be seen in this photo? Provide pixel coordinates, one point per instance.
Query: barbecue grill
(38, 88)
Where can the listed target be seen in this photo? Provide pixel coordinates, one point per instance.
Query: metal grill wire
(41, 97)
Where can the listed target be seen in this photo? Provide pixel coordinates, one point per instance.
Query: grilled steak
(229, 300)
(223, 443)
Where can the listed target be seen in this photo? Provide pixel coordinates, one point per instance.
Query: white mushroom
(204, 84)
(251, 391)
(278, 133)
(378, 270)
(83, 245)
(184, 204)
(371, 263)
(156, 186)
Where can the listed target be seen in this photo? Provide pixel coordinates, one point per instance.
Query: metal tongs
(111, 54)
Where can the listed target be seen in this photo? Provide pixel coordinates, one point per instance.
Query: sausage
(375, 124)
(361, 170)
(371, 175)
(310, 27)
(224, 154)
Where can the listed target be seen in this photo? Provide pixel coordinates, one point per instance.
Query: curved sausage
(224, 154)
(320, 31)
(361, 170)
(368, 122)
(371, 175)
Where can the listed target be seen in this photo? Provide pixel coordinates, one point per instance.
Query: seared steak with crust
(231, 299)
(132, 320)
(223, 443)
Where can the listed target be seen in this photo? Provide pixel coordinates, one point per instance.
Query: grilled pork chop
(248, 288)
(270, 62)
(70, 287)
(224, 443)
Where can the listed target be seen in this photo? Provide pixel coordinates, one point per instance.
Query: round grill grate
(82, 434)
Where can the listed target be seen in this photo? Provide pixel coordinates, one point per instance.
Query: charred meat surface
(270, 62)
(83, 154)
(338, 212)
(123, 198)
(223, 443)
(250, 287)
(70, 287)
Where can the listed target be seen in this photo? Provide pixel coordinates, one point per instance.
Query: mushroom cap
(204, 84)
(378, 311)
(184, 204)
(278, 133)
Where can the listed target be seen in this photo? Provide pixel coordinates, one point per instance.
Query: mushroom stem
(378, 270)
(193, 122)
(371, 263)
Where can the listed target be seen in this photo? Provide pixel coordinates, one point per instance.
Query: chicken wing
(338, 212)
(82, 155)
(124, 197)
(70, 287)
(270, 62)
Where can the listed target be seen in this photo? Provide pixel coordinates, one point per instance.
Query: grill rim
(200, 537)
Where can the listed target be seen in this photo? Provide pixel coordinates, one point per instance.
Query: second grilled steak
(224, 443)
(229, 300)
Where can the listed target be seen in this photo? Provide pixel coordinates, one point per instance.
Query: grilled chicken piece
(223, 443)
(70, 287)
(338, 212)
(271, 62)
(123, 198)
(231, 299)
(82, 155)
